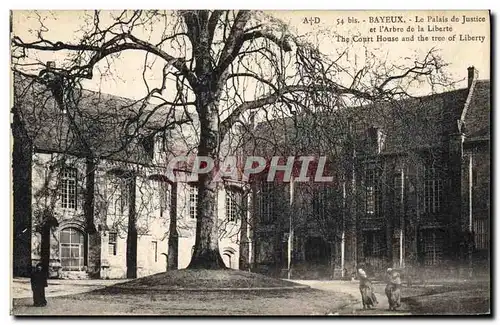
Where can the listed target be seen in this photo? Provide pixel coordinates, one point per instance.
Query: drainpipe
(470, 217)
(290, 231)
(342, 242)
(401, 223)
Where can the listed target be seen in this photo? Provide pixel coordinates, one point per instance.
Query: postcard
(211, 162)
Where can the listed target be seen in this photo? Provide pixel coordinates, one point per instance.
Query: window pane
(267, 201)
(193, 201)
(68, 185)
(433, 187)
(80, 262)
(65, 251)
(71, 248)
(481, 233)
(372, 190)
(112, 249)
(112, 237)
(76, 237)
(433, 247)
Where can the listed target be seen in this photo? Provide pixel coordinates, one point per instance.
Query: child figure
(393, 289)
(366, 288)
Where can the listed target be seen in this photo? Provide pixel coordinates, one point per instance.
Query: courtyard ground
(432, 298)
(187, 303)
(107, 297)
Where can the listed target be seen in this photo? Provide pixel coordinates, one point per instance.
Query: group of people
(392, 289)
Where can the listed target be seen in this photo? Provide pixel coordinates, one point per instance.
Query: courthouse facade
(411, 189)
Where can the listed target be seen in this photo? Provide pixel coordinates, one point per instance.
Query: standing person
(38, 284)
(366, 288)
(393, 289)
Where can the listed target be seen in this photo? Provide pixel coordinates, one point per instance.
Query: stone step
(74, 275)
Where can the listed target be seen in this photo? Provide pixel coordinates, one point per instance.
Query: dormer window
(55, 82)
(148, 143)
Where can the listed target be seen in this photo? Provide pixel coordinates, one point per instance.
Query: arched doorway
(229, 257)
(72, 249)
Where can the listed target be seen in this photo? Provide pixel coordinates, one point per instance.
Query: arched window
(72, 243)
(228, 259)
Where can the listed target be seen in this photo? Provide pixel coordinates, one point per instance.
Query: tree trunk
(244, 263)
(88, 207)
(22, 205)
(132, 233)
(173, 238)
(206, 249)
(94, 237)
(45, 247)
(208, 92)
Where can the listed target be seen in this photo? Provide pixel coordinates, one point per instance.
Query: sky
(319, 27)
(461, 55)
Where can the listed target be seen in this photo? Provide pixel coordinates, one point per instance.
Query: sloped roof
(407, 124)
(477, 117)
(414, 123)
(97, 122)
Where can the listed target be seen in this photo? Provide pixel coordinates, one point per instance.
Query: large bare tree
(218, 68)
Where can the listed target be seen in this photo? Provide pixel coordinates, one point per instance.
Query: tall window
(162, 188)
(481, 233)
(370, 200)
(112, 243)
(433, 241)
(193, 202)
(323, 202)
(266, 201)
(154, 243)
(118, 195)
(433, 188)
(374, 243)
(399, 188)
(231, 205)
(68, 188)
(72, 249)
(372, 193)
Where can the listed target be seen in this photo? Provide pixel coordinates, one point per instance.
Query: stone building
(94, 200)
(410, 189)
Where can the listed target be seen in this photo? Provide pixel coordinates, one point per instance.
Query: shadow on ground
(134, 302)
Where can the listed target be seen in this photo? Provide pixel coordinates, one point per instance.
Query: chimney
(472, 75)
(50, 66)
(54, 82)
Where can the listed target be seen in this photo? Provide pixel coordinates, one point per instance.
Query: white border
(189, 4)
